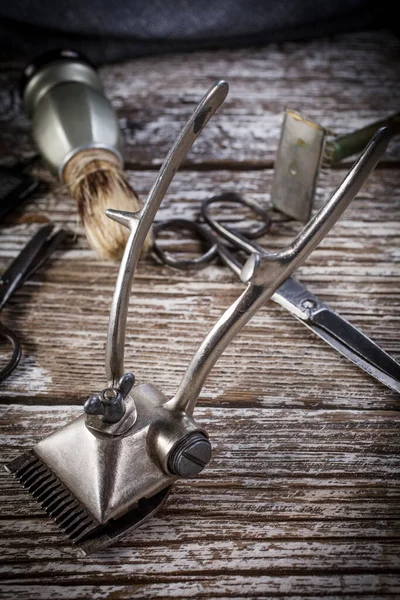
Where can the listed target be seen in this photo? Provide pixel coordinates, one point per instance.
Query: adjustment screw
(190, 455)
(109, 405)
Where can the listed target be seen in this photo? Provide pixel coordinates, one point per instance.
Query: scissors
(221, 241)
(28, 261)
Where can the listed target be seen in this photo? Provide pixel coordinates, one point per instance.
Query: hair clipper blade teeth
(70, 515)
(54, 498)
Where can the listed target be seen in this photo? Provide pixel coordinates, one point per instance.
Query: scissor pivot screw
(190, 455)
(309, 303)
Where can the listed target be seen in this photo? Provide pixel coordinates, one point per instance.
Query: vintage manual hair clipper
(110, 469)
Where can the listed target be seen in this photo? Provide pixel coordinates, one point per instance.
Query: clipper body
(89, 477)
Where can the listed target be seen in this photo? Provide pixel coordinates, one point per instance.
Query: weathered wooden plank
(376, 203)
(184, 526)
(262, 498)
(301, 498)
(267, 465)
(296, 588)
(223, 587)
(212, 558)
(344, 82)
(355, 270)
(367, 428)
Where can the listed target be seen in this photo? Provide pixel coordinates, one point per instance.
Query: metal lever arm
(265, 272)
(140, 223)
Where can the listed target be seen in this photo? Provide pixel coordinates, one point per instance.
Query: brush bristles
(96, 180)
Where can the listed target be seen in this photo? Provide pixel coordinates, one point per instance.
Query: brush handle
(65, 99)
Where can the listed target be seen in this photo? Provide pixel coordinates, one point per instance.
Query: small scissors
(31, 257)
(292, 295)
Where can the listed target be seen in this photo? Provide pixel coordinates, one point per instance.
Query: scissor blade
(21, 265)
(339, 333)
(356, 341)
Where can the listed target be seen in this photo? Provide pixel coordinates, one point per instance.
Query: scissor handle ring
(253, 232)
(7, 334)
(200, 231)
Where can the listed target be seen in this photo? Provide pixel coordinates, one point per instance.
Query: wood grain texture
(290, 495)
(355, 270)
(343, 84)
(302, 497)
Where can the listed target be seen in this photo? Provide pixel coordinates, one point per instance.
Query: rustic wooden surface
(302, 497)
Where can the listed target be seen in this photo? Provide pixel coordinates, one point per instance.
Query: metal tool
(63, 95)
(28, 261)
(304, 147)
(100, 477)
(222, 241)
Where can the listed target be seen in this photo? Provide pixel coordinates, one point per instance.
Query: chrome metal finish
(67, 96)
(108, 474)
(339, 333)
(73, 517)
(120, 427)
(140, 223)
(266, 271)
(109, 405)
(56, 73)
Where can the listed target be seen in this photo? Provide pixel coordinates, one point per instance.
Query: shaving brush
(96, 180)
(78, 136)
